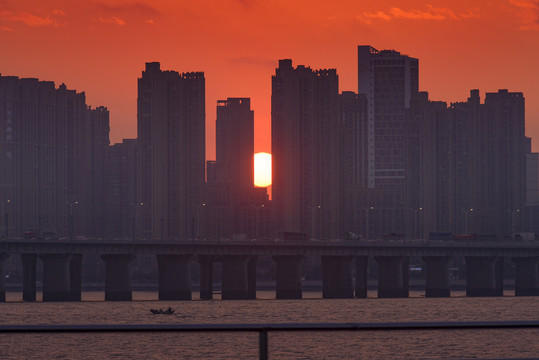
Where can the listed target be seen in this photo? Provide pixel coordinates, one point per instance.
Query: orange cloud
(121, 14)
(528, 12)
(134, 8)
(30, 19)
(431, 13)
(112, 20)
(58, 12)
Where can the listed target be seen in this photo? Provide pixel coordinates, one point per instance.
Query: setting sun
(262, 169)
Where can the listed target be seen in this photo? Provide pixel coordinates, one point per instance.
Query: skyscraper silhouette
(389, 80)
(467, 164)
(235, 141)
(353, 164)
(305, 129)
(52, 147)
(171, 135)
(235, 208)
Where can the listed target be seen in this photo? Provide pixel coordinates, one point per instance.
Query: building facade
(353, 164)
(120, 191)
(467, 165)
(305, 151)
(234, 207)
(389, 80)
(171, 135)
(52, 147)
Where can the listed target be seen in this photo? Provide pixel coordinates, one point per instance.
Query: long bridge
(342, 261)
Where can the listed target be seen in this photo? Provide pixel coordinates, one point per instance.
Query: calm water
(457, 344)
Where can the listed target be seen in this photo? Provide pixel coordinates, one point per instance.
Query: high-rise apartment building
(353, 162)
(88, 187)
(467, 165)
(234, 207)
(52, 147)
(430, 163)
(389, 80)
(305, 151)
(502, 171)
(235, 141)
(120, 190)
(171, 135)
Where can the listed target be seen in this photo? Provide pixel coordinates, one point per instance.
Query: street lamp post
(134, 218)
(417, 212)
(6, 216)
(258, 208)
(198, 218)
(468, 212)
(71, 204)
(367, 222)
(319, 221)
(313, 209)
(513, 212)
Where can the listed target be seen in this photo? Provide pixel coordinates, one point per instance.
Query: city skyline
(318, 179)
(129, 33)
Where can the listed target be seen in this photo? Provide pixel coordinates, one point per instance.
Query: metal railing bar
(396, 326)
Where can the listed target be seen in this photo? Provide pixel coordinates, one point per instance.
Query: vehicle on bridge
(525, 237)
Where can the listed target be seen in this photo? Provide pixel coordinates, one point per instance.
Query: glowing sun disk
(262, 169)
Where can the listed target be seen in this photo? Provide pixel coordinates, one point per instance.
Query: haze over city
(404, 172)
(99, 47)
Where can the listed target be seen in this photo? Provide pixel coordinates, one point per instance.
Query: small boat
(168, 311)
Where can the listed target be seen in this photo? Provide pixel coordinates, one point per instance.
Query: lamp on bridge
(367, 222)
(513, 213)
(258, 208)
(6, 215)
(134, 218)
(198, 232)
(313, 209)
(417, 224)
(468, 212)
(71, 225)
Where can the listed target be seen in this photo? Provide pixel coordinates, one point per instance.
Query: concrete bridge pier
(437, 276)
(75, 272)
(174, 277)
(392, 280)
(405, 277)
(118, 277)
(235, 277)
(29, 277)
(527, 276)
(251, 277)
(481, 276)
(337, 277)
(3, 258)
(288, 276)
(498, 268)
(56, 283)
(362, 263)
(206, 276)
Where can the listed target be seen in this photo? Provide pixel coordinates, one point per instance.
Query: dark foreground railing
(263, 329)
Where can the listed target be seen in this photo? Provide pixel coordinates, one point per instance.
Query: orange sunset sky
(100, 47)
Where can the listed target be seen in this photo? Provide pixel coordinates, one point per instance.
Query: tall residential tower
(389, 80)
(305, 150)
(171, 136)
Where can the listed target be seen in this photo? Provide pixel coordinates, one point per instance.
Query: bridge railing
(264, 329)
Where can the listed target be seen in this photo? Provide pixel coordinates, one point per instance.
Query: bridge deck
(272, 248)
